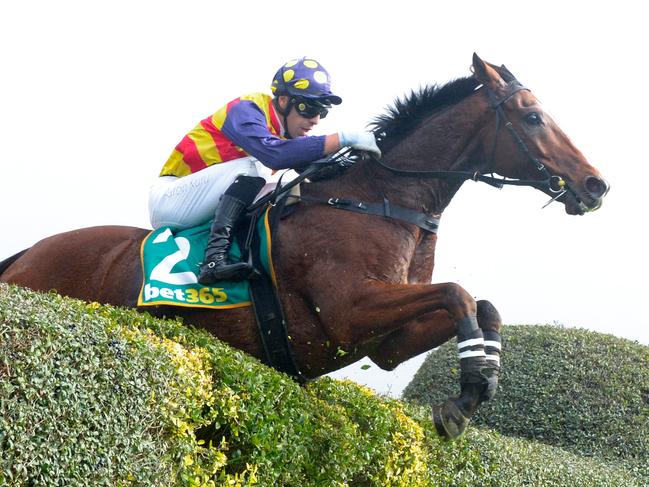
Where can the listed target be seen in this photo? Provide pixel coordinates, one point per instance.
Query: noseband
(553, 184)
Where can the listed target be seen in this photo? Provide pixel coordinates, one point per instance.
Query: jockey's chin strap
(284, 114)
(553, 184)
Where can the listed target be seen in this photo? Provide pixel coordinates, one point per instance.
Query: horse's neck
(445, 142)
(450, 141)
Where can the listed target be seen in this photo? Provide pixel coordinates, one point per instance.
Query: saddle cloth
(170, 267)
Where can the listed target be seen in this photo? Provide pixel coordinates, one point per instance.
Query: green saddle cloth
(170, 267)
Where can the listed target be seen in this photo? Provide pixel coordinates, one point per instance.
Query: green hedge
(583, 391)
(96, 395)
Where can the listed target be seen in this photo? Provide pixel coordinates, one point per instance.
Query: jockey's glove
(359, 140)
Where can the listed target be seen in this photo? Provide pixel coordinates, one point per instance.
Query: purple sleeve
(245, 125)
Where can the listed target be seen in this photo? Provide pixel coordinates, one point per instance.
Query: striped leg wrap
(472, 358)
(471, 347)
(493, 346)
(470, 341)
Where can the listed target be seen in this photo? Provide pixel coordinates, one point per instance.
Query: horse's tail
(4, 265)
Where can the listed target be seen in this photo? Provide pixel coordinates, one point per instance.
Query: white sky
(95, 95)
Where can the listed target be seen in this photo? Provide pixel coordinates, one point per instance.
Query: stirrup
(238, 271)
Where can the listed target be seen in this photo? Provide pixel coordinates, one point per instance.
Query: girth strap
(267, 306)
(272, 328)
(386, 209)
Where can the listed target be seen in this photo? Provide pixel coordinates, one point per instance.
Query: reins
(552, 183)
(280, 190)
(474, 176)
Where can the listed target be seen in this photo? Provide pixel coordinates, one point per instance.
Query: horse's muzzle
(595, 187)
(585, 197)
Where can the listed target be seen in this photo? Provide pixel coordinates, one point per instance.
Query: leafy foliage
(96, 395)
(583, 391)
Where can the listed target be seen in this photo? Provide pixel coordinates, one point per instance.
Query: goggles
(310, 108)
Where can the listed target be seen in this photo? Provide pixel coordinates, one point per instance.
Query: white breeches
(191, 200)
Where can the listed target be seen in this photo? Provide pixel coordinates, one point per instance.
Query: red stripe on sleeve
(190, 153)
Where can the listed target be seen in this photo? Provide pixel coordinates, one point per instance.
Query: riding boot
(216, 265)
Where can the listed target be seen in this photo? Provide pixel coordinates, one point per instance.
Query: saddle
(170, 263)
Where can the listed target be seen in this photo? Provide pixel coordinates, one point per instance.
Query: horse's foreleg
(419, 317)
(490, 322)
(419, 336)
(479, 378)
(431, 330)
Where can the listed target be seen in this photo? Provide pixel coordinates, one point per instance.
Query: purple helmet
(305, 78)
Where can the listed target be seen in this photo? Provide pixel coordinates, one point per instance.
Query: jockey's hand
(360, 140)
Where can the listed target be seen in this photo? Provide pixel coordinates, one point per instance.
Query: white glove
(360, 140)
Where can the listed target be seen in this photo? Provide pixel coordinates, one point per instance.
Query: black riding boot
(233, 203)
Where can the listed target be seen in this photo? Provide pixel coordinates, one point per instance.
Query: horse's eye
(533, 119)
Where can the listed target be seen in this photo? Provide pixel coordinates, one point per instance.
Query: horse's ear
(506, 74)
(487, 75)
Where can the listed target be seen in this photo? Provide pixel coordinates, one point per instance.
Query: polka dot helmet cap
(304, 78)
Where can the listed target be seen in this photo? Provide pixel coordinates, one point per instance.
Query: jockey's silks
(206, 144)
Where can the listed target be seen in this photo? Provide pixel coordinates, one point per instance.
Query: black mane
(401, 118)
(407, 113)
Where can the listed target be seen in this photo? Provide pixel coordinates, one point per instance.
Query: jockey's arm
(332, 144)
(246, 126)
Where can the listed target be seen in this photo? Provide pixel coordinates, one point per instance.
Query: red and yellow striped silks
(205, 144)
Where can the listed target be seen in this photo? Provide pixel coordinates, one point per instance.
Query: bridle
(553, 184)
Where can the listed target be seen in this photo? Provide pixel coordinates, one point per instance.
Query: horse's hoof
(450, 421)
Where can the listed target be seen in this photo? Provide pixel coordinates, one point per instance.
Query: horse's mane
(408, 112)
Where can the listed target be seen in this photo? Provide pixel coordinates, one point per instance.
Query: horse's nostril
(596, 187)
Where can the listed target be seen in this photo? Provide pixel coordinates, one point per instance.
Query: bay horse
(355, 285)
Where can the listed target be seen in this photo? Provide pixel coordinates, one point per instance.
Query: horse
(357, 285)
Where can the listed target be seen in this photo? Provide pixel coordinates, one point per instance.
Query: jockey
(219, 167)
